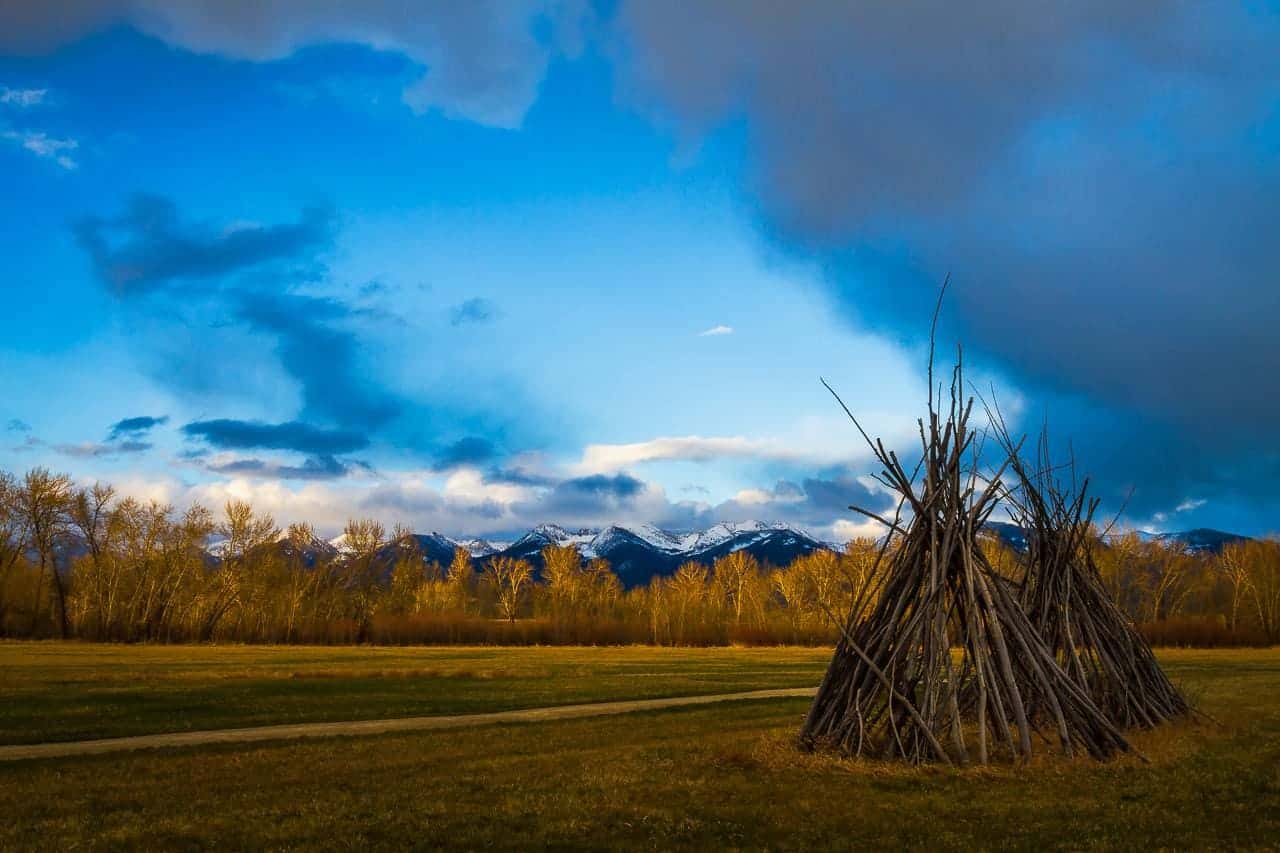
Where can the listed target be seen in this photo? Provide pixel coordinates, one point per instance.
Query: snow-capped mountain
(636, 552)
(639, 552)
(1202, 540)
(482, 548)
(314, 551)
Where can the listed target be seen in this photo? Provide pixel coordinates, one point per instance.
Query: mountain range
(639, 552)
(1202, 540)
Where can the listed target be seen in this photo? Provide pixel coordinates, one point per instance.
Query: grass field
(56, 691)
(692, 778)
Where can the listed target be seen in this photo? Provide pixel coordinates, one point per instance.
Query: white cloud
(716, 331)
(844, 530)
(822, 441)
(600, 458)
(21, 97)
(44, 146)
(467, 485)
(1190, 504)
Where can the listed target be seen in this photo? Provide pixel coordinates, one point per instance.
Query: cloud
(817, 502)
(184, 267)
(517, 476)
(148, 246)
(474, 310)
(323, 357)
(293, 435)
(21, 97)
(716, 331)
(590, 499)
(692, 448)
(470, 450)
(322, 467)
(44, 146)
(17, 425)
(617, 487)
(470, 505)
(1098, 180)
(215, 308)
(838, 444)
(483, 61)
(1190, 504)
(90, 450)
(134, 427)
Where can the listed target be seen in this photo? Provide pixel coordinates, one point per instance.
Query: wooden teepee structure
(894, 688)
(1067, 602)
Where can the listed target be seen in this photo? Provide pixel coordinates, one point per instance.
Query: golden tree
(510, 579)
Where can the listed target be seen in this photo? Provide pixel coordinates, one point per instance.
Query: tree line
(86, 563)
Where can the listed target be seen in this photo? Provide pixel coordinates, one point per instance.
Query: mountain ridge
(639, 552)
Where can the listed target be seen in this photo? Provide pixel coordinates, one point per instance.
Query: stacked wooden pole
(894, 688)
(1066, 600)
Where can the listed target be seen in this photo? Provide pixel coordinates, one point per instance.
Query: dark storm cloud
(1099, 177)
(474, 310)
(323, 467)
(471, 450)
(324, 357)
(148, 246)
(595, 496)
(604, 486)
(134, 427)
(230, 434)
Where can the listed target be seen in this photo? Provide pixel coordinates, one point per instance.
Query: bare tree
(734, 574)
(461, 581)
(246, 534)
(1234, 567)
(562, 572)
(688, 591)
(364, 538)
(1259, 561)
(510, 578)
(44, 500)
(91, 516)
(13, 540)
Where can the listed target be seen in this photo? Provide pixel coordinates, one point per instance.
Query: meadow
(723, 775)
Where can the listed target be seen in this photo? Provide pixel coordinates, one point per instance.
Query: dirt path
(375, 727)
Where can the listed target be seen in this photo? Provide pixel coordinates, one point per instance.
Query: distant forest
(87, 564)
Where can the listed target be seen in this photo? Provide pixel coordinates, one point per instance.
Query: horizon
(473, 271)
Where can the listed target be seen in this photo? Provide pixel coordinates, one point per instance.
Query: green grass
(68, 691)
(723, 776)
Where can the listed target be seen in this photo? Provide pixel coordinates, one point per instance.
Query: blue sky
(476, 268)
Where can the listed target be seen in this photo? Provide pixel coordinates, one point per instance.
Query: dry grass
(688, 779)
(77, 691)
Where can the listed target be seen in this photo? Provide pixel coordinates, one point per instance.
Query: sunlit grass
(685, 779)
(72, 691)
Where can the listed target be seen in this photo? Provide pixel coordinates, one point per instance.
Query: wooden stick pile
(894, 689)
(1068, 604)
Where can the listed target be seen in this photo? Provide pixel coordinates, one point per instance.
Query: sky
(475, 267)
